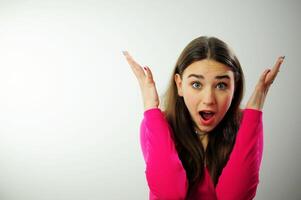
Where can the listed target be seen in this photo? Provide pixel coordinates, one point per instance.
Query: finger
(136, 68)
(263, 75)
(278, 64)
(149, 74)
(272, 75)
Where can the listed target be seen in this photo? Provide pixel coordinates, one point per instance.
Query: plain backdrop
(70, 106)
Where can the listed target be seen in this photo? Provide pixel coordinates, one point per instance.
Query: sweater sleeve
(240, 176)
(165, 174)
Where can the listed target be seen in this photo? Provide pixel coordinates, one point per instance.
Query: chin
(206, 128)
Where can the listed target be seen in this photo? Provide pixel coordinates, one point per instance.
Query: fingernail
(145, 68)
(124, 52)
(282, 59)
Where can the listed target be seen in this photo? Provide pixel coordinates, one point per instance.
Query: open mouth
(206, 115)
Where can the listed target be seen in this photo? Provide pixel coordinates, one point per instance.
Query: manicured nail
(281, 59)
(145, 68)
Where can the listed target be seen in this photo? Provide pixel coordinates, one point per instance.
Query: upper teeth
(206, 113)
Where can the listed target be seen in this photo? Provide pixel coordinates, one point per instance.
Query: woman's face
(207, 88)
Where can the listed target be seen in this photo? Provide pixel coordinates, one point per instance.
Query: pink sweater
(166, 176)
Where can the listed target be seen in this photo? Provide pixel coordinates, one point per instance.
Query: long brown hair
(222, 137)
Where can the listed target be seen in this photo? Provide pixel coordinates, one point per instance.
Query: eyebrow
(199, 76)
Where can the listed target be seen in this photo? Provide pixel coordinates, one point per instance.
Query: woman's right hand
(146, 82)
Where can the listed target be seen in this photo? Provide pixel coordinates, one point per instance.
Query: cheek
(227, 98)
(225, 102)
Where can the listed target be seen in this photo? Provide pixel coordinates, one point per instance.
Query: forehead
(208, 68)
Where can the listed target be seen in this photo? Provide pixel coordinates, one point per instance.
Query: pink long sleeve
(240, 176)
(166, 176)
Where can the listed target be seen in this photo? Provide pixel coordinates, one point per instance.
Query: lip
(207, 122)
(207, 110)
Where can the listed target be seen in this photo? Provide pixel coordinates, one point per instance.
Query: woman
(203, 146)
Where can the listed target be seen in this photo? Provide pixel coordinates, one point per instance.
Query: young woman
(201, 145)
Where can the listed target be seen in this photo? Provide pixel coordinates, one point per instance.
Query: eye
(196, 85)
(222, 86)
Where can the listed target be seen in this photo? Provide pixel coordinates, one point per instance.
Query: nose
(209, 97)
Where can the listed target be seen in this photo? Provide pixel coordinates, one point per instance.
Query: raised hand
(257, 99)
(146, 82)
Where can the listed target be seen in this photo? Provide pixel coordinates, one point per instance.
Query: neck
(204, 141)
(203, 137)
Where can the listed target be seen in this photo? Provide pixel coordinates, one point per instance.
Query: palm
(146, 82)
(257, 99)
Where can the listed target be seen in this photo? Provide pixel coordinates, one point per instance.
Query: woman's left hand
(257, 99)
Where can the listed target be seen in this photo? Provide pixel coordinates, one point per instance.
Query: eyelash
(223, 83)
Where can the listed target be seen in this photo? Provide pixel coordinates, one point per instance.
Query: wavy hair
(222, 137)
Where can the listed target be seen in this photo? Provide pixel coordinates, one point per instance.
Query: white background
(70, 107)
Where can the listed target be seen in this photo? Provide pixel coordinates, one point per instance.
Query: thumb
(263, 76)
(149, 75)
